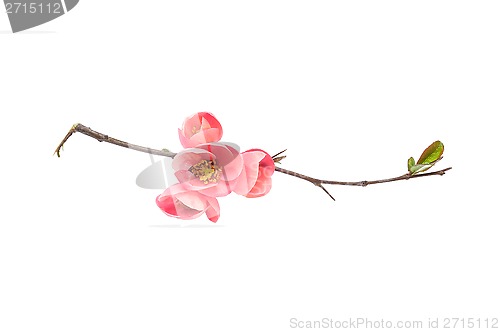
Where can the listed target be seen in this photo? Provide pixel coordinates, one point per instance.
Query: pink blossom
(178, 202)
(200, 128)
(207, 169)
(255, 178)
(212, 169)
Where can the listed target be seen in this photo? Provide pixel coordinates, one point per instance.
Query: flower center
(195, 130)
(206, 171)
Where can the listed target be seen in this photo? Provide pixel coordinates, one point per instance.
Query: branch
(165, 153)
(105, 138)
(319, 182)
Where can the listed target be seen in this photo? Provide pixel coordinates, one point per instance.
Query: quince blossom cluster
(208, 169)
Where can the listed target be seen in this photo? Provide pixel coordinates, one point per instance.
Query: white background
(352, 89)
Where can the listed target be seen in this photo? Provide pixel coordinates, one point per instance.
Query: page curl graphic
(25, 15)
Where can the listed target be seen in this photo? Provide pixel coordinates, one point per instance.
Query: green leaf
(432, 154)
(411, 163)
(418, 168)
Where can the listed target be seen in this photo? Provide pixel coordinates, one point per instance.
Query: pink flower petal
(191, 182)
(213, 122)
(206, 136)
(213, 209)
(200, 128)
(191, 123)
(222, 188)
(192, 200)
(248, 177)
(205, 124)
(255, 180)
(171, 205)
(185, 176)
(222, 153)
(232, 170)
(185, 142)
(190, 157)
(228, 159)
(267, 161)
(261, 188)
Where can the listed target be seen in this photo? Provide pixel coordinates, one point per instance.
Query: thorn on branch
(277, 158)
(324, 189)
